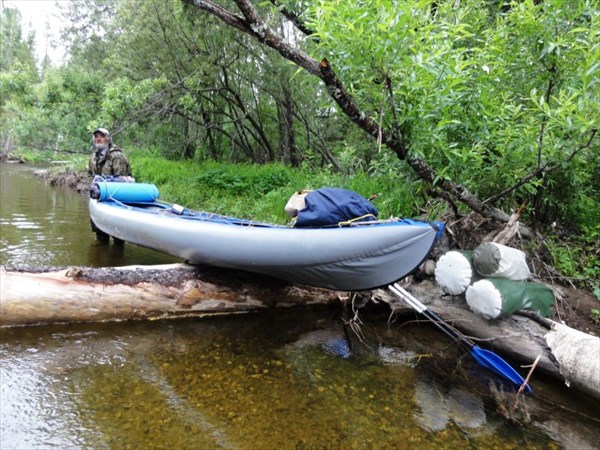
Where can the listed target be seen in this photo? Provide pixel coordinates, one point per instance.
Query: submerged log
(45, 296)
(565, 354)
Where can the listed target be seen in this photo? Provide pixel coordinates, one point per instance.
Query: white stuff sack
(496, 260)
(484, 299)
(453, 272)
(296, 203)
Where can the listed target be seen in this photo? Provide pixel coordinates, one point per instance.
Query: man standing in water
(107, 159)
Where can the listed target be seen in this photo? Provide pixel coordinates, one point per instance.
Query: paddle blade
(495, 363)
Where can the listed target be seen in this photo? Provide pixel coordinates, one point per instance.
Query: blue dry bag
(330, 206)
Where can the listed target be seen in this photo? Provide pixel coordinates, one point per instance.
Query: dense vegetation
(501, 97)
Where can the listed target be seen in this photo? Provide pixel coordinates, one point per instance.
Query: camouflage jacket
(115, 164)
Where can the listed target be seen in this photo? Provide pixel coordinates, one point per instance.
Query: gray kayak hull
(340, 258)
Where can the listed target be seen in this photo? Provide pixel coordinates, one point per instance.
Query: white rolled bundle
(297, 202)
(454, 272)
(484, 299)
(496, 260)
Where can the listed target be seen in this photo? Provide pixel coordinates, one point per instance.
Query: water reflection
(438, 408)
(333, 341)
(262, 381)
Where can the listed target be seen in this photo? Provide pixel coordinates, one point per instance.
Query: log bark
(565, 354)
(45, 296)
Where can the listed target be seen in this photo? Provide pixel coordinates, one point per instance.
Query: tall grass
(256, 191)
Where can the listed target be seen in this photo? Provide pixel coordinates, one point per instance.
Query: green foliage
(33, 156)
(55, 115)
(484, 95)
(258, 192)
(18, 74)
(485, 92)
(14, 48)
(577, 257)
(251, 180)
(124, 97)
(16, 84)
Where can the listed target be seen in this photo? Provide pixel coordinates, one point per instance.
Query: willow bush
(485, 92)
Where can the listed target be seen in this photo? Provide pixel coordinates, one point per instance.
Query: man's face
(100, 142)
(100, 139)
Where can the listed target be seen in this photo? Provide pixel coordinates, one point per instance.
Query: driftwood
(564, 353)
(155, 292)
(77, 294)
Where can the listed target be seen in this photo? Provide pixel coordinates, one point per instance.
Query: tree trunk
(286, 127)
(189, 148)
(142, 292)
(212, 147)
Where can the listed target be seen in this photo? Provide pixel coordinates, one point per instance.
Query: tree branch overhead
(252, 24)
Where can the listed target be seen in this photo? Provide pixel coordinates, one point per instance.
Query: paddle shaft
(437, 320)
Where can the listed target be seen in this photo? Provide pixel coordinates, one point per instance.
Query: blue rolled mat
(125, 192)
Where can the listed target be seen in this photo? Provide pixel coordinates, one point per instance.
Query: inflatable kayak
(356, 256)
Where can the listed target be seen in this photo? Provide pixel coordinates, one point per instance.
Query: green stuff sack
(492, 298)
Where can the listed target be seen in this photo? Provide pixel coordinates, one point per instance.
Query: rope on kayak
(357, 219)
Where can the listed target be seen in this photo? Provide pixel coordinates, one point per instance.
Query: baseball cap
(104, 131)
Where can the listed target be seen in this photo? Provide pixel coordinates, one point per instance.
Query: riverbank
(70, 178)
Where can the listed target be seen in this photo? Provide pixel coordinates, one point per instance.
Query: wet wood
(58, 295)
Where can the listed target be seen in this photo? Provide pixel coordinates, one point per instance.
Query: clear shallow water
(260, 381)
(284, 379)
(46, 226)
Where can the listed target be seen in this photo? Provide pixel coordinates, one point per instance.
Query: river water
(297, 379)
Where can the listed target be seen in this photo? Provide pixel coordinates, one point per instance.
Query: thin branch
(226, 16)
(380, 122)
(388, 83)
(546, 168)
(296, 20)
(545, 117)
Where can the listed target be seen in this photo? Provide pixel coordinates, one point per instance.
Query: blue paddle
(485, 358)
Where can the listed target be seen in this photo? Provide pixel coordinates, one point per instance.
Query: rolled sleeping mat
(493, 298)
(454, 271)
(496, 260)
(124, 192)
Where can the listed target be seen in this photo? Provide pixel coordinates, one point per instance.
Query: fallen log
(45, 296)
(565, 354)
(77, 294)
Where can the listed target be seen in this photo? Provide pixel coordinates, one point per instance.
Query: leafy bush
(257, 191)
(577, 257)
(244, 179)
